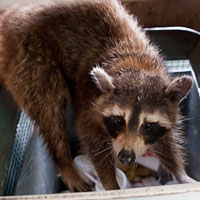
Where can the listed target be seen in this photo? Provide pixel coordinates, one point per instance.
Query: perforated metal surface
(178, 65)
(24, 131)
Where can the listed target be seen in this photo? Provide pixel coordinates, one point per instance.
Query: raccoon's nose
(126, 157)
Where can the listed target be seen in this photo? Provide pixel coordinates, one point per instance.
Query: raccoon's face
(138, 109)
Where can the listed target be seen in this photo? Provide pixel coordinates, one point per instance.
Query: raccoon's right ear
(102, 79)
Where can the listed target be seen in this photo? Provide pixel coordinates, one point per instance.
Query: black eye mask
(153, 132)
(114, 124)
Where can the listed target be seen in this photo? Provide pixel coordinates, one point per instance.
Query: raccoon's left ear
(179, 88)
(102, 79)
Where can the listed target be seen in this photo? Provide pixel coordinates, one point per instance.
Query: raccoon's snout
(126, 157)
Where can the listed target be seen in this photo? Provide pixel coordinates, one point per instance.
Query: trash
(87, 171)
(146, 172)
(149, 160)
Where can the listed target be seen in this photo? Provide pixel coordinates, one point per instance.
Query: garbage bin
(180, 46)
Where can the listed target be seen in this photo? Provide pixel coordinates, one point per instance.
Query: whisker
(107, 155)
(157, 152)
(102, 151)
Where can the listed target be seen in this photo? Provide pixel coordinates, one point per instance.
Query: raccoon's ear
(102, 79)
(179, 88)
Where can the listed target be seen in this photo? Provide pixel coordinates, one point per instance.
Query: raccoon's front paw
(77, 184)
(74, 181)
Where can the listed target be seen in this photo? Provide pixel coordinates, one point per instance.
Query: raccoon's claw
(78, 185)
(82, 187)
(74, 181)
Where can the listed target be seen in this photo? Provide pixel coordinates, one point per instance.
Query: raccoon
(94, 55)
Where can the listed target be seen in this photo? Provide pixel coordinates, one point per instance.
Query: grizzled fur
(94, 55)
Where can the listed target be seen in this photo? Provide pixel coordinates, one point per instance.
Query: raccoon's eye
(148, 126)
(117, 120)
(114, 124)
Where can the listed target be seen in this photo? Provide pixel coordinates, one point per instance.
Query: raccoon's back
(75, 35)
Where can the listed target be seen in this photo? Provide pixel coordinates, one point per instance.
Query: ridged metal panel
(24, 131)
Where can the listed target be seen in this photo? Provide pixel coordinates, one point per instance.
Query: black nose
(126, 157)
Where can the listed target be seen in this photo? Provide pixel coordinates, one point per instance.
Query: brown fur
(46, 56)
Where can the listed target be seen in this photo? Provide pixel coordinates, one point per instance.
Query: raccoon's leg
(96, 144)
(44, 95)
(171, 156)
(105, 166)
(53, 128)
